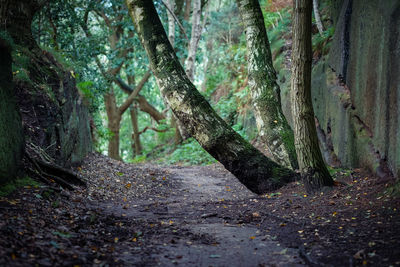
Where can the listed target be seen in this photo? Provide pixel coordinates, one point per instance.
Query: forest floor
(147, 215)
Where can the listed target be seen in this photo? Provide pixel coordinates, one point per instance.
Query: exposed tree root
(41, 166)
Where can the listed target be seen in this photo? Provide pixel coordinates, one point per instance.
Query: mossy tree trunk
(312, 167)
(11, 134)
(250, 166)
(15, 20)
(272, 125)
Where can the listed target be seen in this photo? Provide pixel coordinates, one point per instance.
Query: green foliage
(334, 172)
(321, 43)
(394, 190)
(226, 106)
(138, 159)
(10, 187)
(190, 153)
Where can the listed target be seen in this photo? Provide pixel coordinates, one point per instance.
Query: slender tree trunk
(272, 125)
(188, 3)
(318, 21)
(171, 22)
(194, 40)
(312, 166)
(208, 54)
(171, 37)
(137, 145)
(249, 165)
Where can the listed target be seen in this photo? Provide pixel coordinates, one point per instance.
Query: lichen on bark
(272, 125)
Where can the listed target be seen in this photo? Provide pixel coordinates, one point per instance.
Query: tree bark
(250, 166)
(312, 167)
(317, 16)
(188, 3)
(171, 37)
(114, 120)
(15, 21)
(11, 134)
(194, 40)
(272, 125)
(137, 145)
(171, 22)
(114, 113)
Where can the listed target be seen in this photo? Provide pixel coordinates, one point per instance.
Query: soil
(147, 215)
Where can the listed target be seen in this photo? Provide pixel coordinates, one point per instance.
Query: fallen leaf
(359, 255)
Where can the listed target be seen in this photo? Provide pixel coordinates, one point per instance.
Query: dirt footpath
(197, 209)
(147, 215)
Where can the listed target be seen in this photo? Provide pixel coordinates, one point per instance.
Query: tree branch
(153, 129)
(134, 94)
(149, 109)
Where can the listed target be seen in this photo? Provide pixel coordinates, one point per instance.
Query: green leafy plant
(10, 187)
(190, 153)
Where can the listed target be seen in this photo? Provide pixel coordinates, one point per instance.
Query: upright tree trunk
(312, 166)
(171, 37)
(249, 165)
(188, 3)
(15, 26)
(11, 134)
(137, 145)
(318, 21)
(272, 125)
(114, 120)
(194, 40)
(171, 22)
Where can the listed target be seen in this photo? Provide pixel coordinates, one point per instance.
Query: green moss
(6, 37)
(394, 190)
(10, 187)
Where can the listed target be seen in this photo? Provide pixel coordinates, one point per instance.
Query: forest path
(208, 206)
(149, 215)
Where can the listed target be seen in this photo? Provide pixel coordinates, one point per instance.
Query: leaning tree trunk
(250, 166)
(312, 166)
(272, 125)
